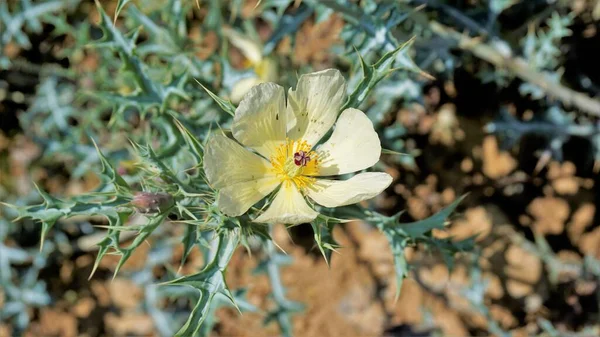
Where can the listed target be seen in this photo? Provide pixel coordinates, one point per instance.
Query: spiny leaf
(109, 172)
(221, 301)
(400, 235)
(197, 316)
(11, 26)
(226, 106)
(120, 5)
(193, 143)
(418, 228)
(209, 281)
(403, 61)
(373, 74)
(143, 234)
(172, 145)
(160, 35)
(51, 102)
(189, 240)
(114, 38)
(53, 209)
(400, 264)
(151, 159)
(284, 307)
(324, 238)
(150, 93)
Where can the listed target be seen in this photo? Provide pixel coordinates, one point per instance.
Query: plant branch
(520, 68)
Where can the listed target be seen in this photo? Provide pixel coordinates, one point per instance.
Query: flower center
(294, 162)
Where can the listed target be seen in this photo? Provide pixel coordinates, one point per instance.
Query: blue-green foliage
(21, 290)
(542, 51)
(140, 120)
(27, 18)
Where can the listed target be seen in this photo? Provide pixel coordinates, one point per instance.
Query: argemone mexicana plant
(276, 150)
(305, 154)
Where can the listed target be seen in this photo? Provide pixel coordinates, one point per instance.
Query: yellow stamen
(284, 167)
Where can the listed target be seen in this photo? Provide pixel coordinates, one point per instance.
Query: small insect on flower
(284, 157)
(301, 158)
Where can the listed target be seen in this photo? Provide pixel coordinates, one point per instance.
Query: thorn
(115, 18)
(96, 264)
(279, 247)
(8, 205)
(95, 144)
(542, 162)
(133, 144)
(249, 251)
(419, 8)
(427, 75)
(169, 282)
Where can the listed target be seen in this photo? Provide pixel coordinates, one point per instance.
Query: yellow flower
(265, 68)
(282, 137)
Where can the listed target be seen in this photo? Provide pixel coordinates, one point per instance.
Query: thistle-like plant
(173, 169)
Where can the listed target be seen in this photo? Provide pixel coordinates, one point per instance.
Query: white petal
(335, 193)
(267, 69)
(259, 120)
(250, 48)
(227, 163)
(315, 104)
(354, 145)
(241, 88)
(289, 207)
(235, 200)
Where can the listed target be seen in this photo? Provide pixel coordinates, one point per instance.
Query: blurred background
(497, 98)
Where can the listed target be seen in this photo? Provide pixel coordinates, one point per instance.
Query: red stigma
(301, 158)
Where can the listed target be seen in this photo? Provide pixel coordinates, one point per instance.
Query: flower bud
(152, 202)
